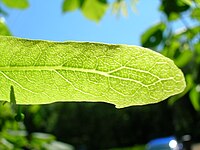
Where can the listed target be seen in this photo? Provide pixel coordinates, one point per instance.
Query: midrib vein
(51, 68)
(56, 68)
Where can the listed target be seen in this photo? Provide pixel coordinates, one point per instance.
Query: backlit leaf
(20, 4)
(94, 9)
(70, 5)
(43, 72)
(189, 83)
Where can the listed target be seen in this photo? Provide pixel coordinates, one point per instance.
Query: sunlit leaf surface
(43, 72)
(20, 4)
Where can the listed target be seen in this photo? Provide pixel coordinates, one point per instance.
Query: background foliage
(101, 126)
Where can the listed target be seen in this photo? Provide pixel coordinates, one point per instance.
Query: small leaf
(173, 8)
(153, 36)
(70, 5)
(44, 72)
(119, 7)
(184, 58)
(4, 29)
(94, 9)
(20, 4)
(171, 48)
(195, 97)
(196, 13)
(197, 52)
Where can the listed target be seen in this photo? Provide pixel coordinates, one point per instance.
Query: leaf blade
(19, 4)
(94, 9)
(45, 72)
(4, 29)
(70, 5)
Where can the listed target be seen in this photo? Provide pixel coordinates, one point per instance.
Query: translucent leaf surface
(70, 5)
(20, 4)
(94, 9)
(43, 72)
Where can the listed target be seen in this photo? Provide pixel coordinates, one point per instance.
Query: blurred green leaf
(70, 5)
(34, 109)
(188, 2)
(4, 29)
(184, 58)
(16, 137)
(119, 7)
(56, 145)
(42, 137)
(171, 48)
(94, 9)
(197, 2)
(173, 8)
(185, 33)
(137, 147)
(153, 36)
(196, 13)
(133, 5)
(5, 144)
(197, 51)
(173, 16)
(195, 97)
(20, 4)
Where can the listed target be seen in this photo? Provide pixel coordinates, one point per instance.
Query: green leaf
(44, 72)
(94, 9)
(197, 53)
(20, 4)
(184, 58)
(171, 48)
(70, 5)
(119, 7)
(197, 2)
(188, 2)
(195, 97)
(153, 36)
(58, 145)
(196, 13)
(189, 83)
(3, 29)
(173, 8)
(189, 33)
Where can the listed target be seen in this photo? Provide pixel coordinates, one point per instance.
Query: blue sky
(45, 20)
